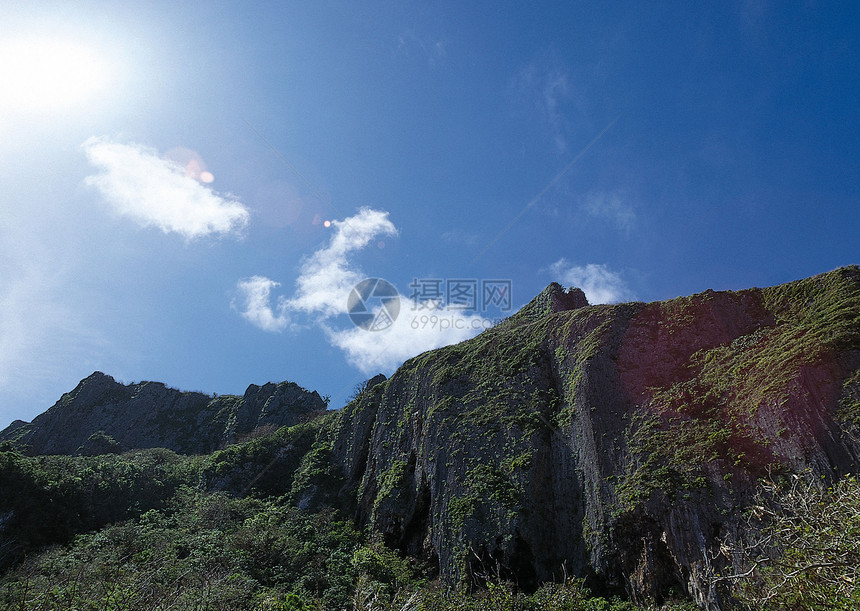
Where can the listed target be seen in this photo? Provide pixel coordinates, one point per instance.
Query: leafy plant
(803, 550)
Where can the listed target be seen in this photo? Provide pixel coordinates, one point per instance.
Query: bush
(806, 554)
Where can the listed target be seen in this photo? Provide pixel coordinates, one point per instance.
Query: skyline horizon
(190, 195)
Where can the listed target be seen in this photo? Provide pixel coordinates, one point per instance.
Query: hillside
(621, 444)
(102, 415)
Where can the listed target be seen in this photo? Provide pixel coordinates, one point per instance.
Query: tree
(806, 551)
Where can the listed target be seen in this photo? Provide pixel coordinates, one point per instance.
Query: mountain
(620, 443)
(617, 441)
(102, 415)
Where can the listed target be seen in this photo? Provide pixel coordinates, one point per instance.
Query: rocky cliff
(620, 442)
(102, 416)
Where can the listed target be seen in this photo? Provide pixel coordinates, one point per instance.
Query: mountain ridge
(149, 414)
(620, 443)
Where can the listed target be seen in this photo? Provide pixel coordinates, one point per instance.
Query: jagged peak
(97, 376)
(554, 298)
(379, 378)
(96, 382)
(150, 414)
(16, 424)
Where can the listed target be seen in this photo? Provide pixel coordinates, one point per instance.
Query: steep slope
(101, 415)
(621, 442)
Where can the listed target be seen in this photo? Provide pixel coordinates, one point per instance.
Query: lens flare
(191, 162)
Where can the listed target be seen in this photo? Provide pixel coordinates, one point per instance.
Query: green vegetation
(201, 551)
(805, 547)
(569, 596)
(488, 421)
(270, 523)
(392, 482)
(826, 306)
(707, 418)
(317, 480)
(167, 543)
(146, 529)
(849, 404)
(489, 493)
(578, 339)
(49, 499)
(263, 466)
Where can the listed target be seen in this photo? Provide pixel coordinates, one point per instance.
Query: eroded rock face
(150, 415)
(554, 298)
(617, 442)
(621, 443)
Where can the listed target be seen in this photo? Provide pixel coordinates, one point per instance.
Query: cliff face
(101, 415)
(618, 442)
(621, 442)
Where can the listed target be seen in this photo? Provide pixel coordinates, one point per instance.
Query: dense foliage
(49, 499)
(141, 531)
(146, 530)
(155, 530)
(201, 551)
(299, 517)
(804, 552)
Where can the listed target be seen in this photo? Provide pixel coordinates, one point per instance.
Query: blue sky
(167, 170)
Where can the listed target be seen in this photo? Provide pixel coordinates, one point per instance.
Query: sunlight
(41, 74)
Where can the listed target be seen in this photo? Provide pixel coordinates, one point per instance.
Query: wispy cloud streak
(612, 207)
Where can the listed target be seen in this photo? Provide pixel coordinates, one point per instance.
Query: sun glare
(39, 74)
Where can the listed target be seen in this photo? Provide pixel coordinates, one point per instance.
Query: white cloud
(322, 290)
(326, 276)
(600, 284)
(154, 191)
(255, 293)
(611, 206)
(415, 330)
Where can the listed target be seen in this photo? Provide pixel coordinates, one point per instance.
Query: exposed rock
(554, 298)
(621, 442)
(372, 382)
(149, 415)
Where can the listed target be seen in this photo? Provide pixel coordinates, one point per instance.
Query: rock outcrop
(619, 442)
(102, 415)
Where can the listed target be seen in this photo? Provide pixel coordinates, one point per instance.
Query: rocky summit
(102, 415)
(623, 444)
